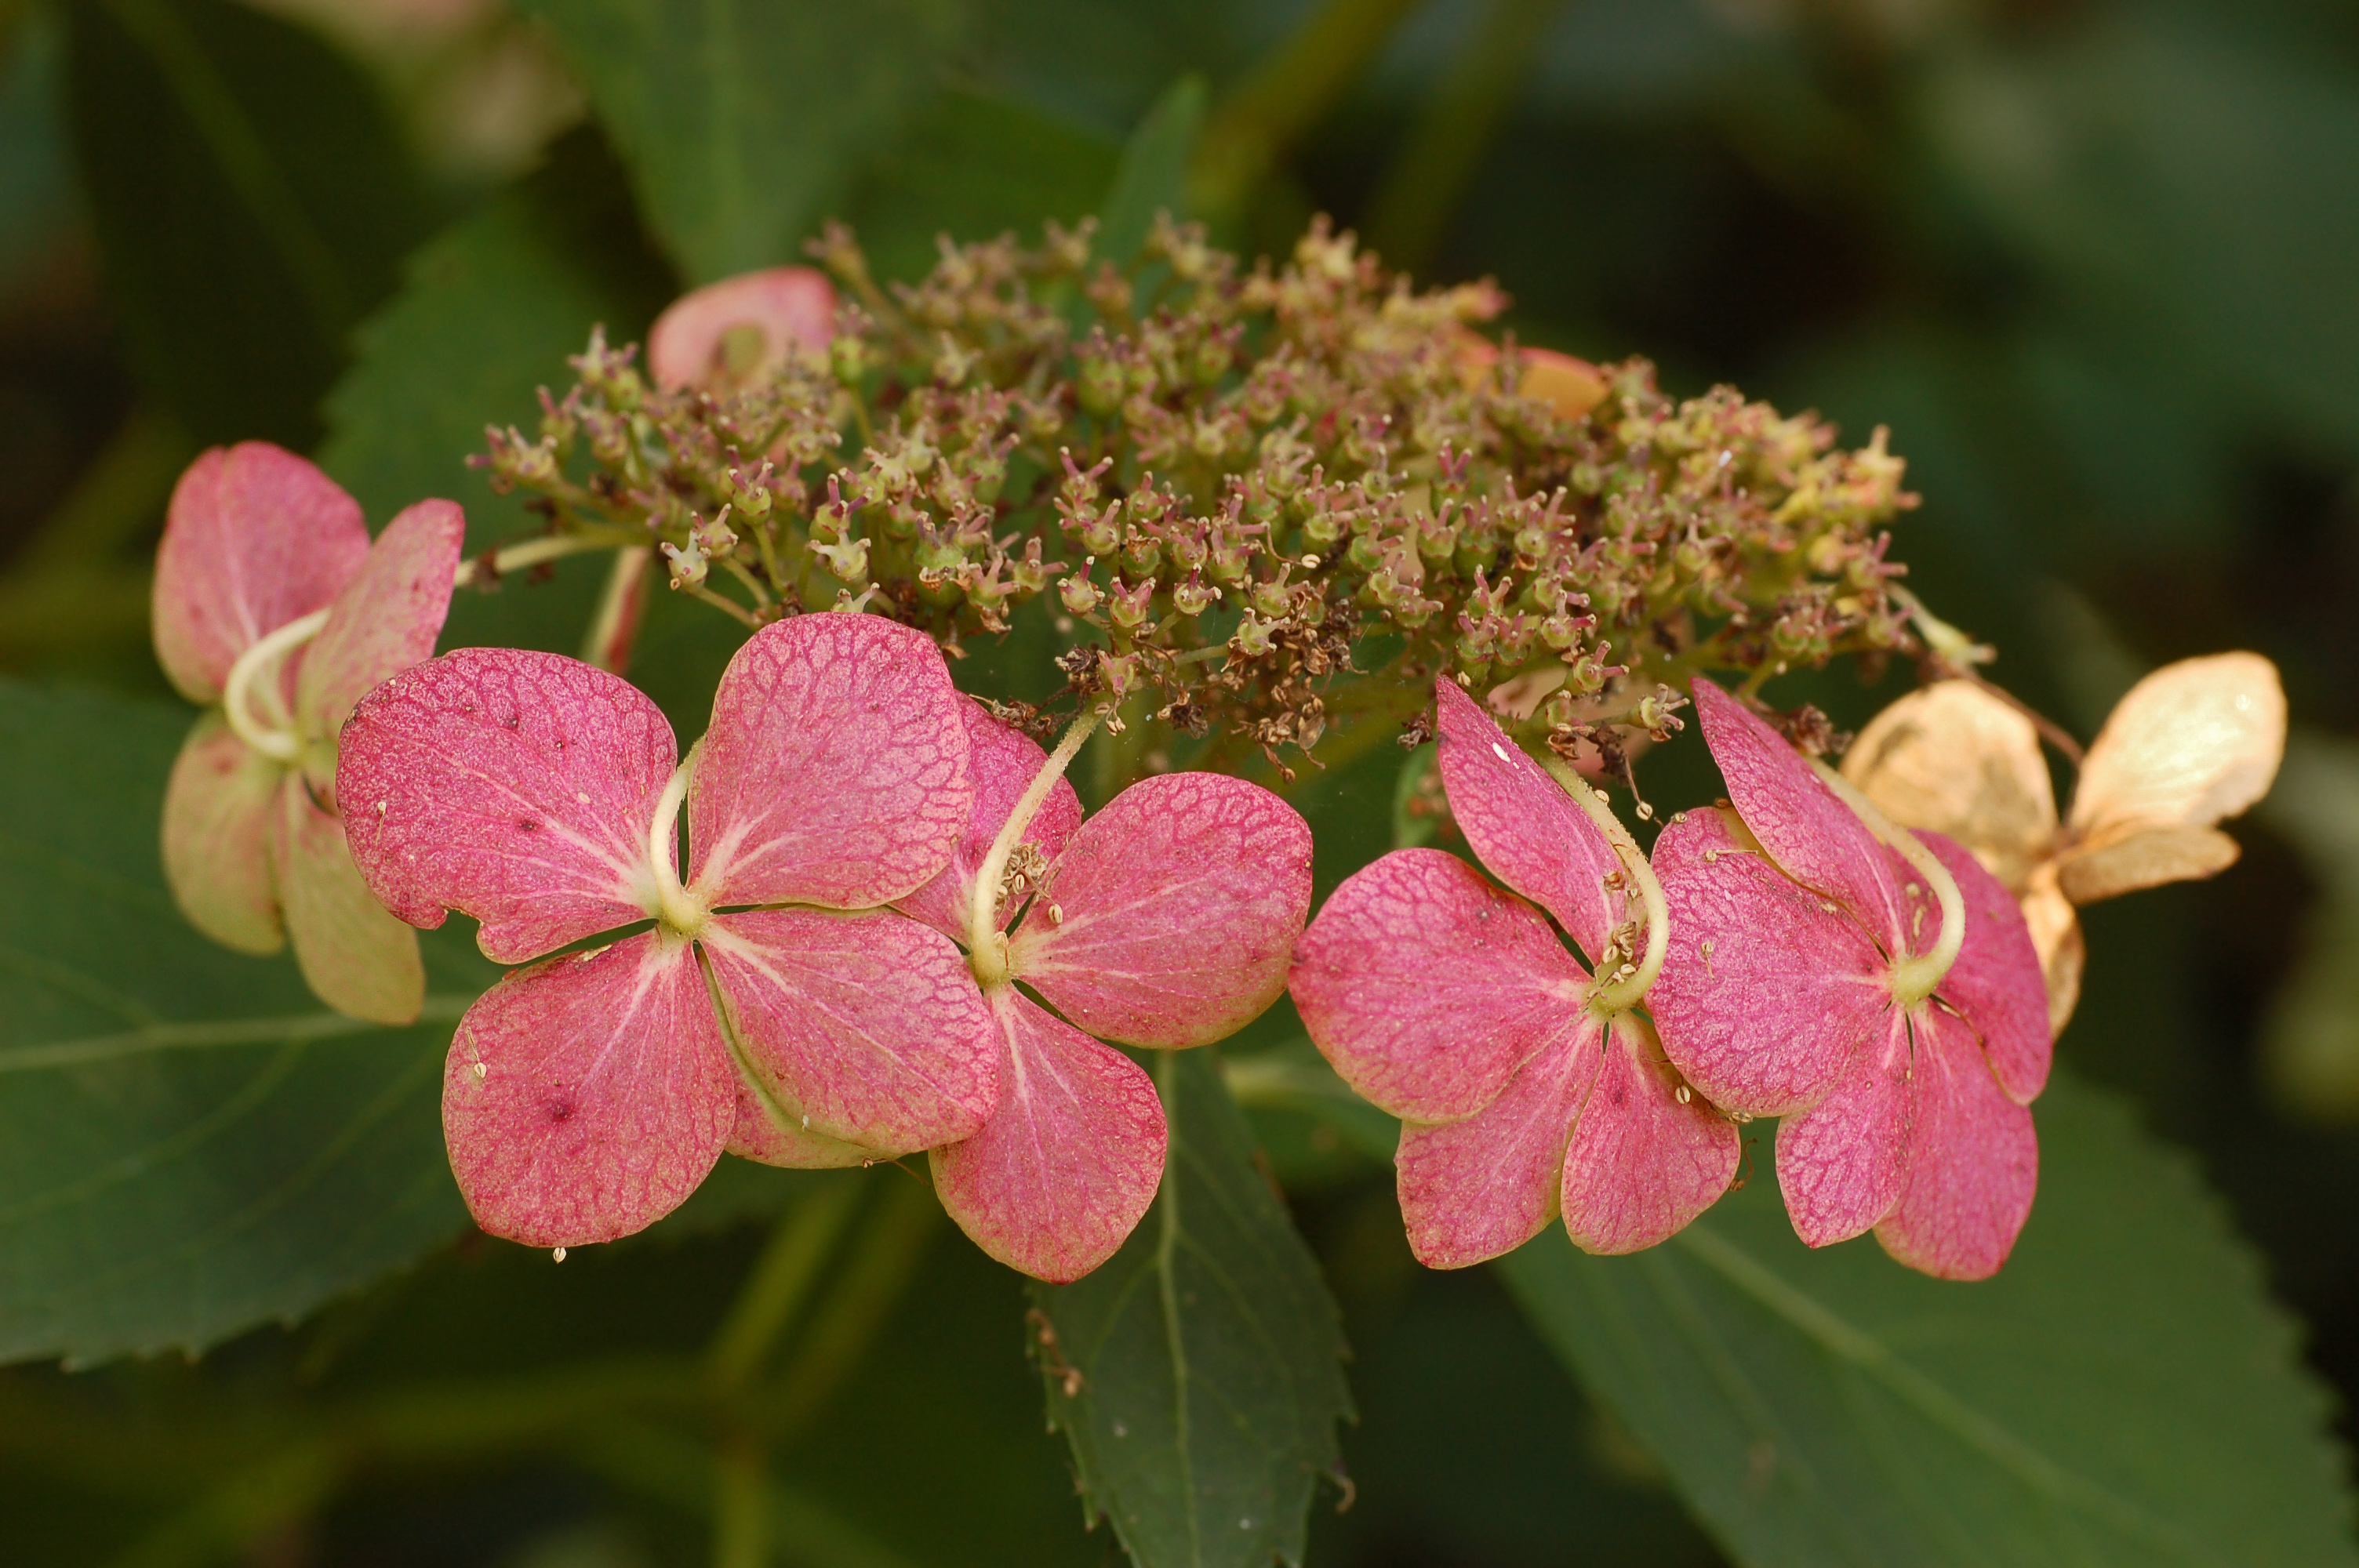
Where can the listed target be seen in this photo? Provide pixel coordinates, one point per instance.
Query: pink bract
(523, 789)
(725, 333)
(1165, 921)
(1788, 916)
(253, 840)
(1455, 1006)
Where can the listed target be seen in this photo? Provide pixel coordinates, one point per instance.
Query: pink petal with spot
(1070, 1161)
(1642, 1164)
(387, 618)
(1002, 761)
(254, 537)
(356, 956)
(1997, 983)
(514, 787)
(1522, 826)
(1428, 987)
(1767, 990)
(1473, 1190)
(1843, 1163)
(869, 1025)
(1974, 1163)
(217, 812)
(605, 1093)
(787, 307)
(768, 1134)
(835, 772)
(1808, 830)
(1170, 917)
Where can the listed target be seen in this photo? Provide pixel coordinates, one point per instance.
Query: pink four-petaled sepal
(1788, 917)
(727, 332)
(1455, 1006)
(257, 538)
(1164, 921)
(522, 788)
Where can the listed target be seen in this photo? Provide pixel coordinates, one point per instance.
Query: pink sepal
(1811, 835)
(217, 813)
(1841, 1163)
(835, 770)
(514, 787)
(1473, 1190)
(1973, 1163)
(1642, 1163)
(768, 1134)
(1070, 1161)
(1765, 993)
(1428, 987)
(790, 307)
(1170, 917)
(254, 537)
(356, 956)
(1002, 762)
(387, 618)
(604, 1095)
(1521, 824)
(1997, 983)
(867, 1025)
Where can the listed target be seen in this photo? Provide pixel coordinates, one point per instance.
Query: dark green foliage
(1198, 1373)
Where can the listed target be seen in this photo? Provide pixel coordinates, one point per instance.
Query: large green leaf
(743, 120)
(1198, 1372)
(251, 199)
(2123, 1393)
(189, 1145)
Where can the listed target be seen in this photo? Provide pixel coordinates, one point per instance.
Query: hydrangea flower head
(776, 1007)
(2191, 744)
(273, 609)
(1880, 994)
(1527, 1087)
(1165, 921)
(730, 333)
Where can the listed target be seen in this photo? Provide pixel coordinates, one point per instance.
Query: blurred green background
(2097, 266)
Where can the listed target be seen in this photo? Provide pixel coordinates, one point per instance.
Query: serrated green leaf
(2123, 1393)
(189, 1145)
(743, 120)
(1203, 1360)
(251, 199)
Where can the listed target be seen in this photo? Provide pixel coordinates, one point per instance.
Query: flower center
(1621, 984)
(275, 733)
(1913, 976)
(987, 945)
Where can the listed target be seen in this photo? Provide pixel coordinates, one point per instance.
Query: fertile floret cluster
(1238, 494)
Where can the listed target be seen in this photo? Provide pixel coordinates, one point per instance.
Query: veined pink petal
(867, 1028)
(1170, 917)
(254, 537)
(587, 1097)
(1997, 983)
(1768, 988)
(1428, 987)
(1841, 1163)
(1002, 762)
(356, 956)
(1643, 1162)
(514, 787)
(1814, 838)
(387, 618)
(835, 772)
(1070, 1161)
(217, 812)
(1522, 826)
(1473, 1190)
(1973, 1161)
(725, 332)
(765, 1133)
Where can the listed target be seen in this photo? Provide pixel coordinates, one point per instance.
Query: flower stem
(533, 552)
(1915, 976)
(278, 741)
(1612, 995)
(986, 946)
(679, 910)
